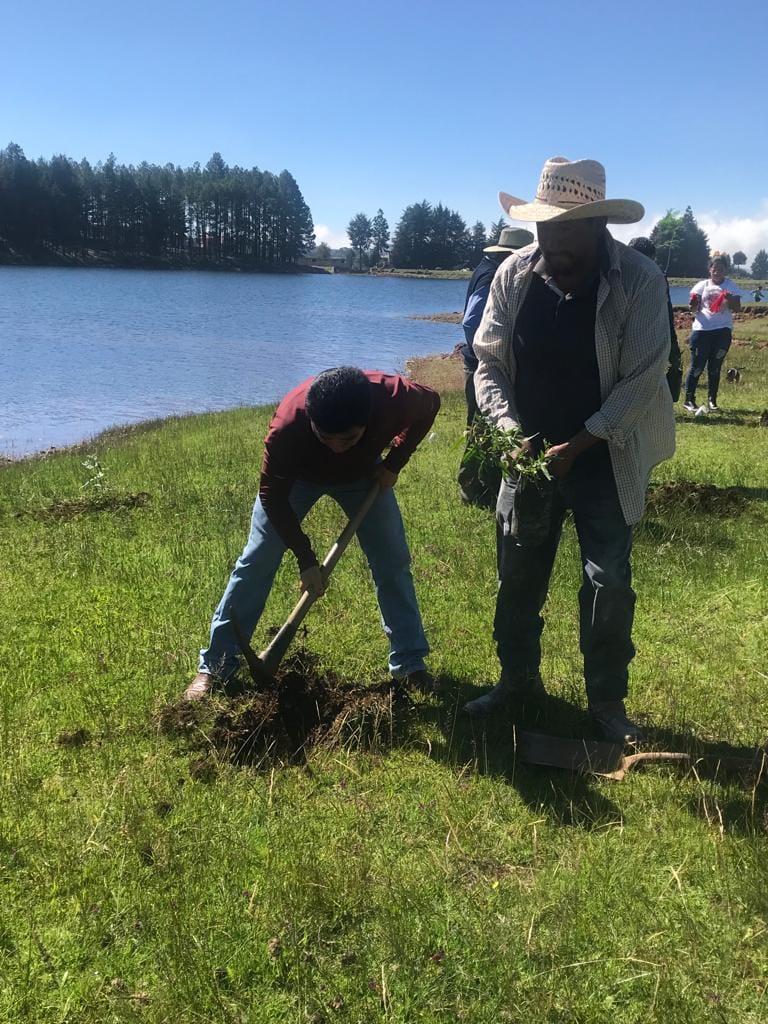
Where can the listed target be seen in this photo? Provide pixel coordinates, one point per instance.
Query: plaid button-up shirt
(636, 417)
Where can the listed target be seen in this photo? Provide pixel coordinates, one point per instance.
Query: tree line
(426, 237)
(435, 237)
(73, 208)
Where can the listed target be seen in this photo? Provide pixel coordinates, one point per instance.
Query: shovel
(264, 666)
(598, 757)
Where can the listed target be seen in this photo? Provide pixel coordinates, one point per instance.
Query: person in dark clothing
(510, 240)
(675, 370)
(327, 437)
(572, 353)
(478, 480)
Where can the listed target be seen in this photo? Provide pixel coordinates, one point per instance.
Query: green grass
(682, 282)
(426, 878)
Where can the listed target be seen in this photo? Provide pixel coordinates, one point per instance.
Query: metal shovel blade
(596, 757)
(572, 755)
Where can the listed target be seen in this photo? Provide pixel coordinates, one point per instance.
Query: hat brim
(503, 248)
(616, 211)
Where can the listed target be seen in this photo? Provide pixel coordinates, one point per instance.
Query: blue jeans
(606, 598)
(382, 538)
(708, 348)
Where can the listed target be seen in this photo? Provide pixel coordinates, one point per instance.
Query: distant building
(324, 263)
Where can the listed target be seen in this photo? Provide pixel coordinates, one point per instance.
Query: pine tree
(477, 243)
(495, 231)
(360, 234)
(380, 229)
(682, 248)
(760, 264)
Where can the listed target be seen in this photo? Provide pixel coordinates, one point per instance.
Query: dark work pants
(606, 598)
(708, 348)
(469, 393)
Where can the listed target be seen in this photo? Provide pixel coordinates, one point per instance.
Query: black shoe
(422, 680)
(512, 696)
(610, 717)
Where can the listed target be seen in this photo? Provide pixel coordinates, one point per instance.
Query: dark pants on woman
(708, 348)
(606, 598)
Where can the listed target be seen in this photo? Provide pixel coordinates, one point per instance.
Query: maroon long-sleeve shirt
(401, 414)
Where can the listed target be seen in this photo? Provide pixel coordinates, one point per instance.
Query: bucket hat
(510, 239)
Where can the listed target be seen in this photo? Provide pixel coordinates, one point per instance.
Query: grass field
(410, 871)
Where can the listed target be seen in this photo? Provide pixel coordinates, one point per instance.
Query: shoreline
(223, 264)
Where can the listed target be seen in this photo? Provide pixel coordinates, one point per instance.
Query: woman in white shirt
(712, 301)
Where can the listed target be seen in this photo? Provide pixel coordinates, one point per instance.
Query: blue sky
(380, 105)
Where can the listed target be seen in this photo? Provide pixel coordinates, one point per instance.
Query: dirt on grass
(72, 508)
(444, 373)
(307, 706)
(695, 498)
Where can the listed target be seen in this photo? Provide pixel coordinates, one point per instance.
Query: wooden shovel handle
(652, 755)
(272, 655)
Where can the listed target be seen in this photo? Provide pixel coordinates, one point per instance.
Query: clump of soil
(73, 738)
(71, 508)
(688, 496)
(305, 707)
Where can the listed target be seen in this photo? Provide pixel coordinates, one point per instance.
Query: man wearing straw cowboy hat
(480, 486)
(573, 350)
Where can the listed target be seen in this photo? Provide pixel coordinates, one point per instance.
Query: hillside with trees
(62, 211)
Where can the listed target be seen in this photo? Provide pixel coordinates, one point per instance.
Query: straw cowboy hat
(510, 240)
(572, 190)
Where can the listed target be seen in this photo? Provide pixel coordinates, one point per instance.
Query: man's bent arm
(274, 492)
(416, 407)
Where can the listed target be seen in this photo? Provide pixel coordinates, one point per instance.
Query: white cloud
(323, 233)
(728, 234)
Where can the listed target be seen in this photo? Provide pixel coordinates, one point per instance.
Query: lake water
(681, 294)
(85, 349)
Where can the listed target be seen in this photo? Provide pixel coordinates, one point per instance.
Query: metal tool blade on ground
(596, 757)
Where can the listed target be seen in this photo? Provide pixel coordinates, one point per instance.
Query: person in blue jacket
(510, 240)
(478, 483)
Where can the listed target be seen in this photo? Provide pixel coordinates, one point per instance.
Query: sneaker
(713, 406)
(689, 406)
(199, 688)
(610, 717)
(508, 696)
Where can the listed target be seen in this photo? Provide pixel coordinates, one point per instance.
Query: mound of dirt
(696, 498)
(305, 707)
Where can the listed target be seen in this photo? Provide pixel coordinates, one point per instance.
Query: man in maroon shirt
(327, 437)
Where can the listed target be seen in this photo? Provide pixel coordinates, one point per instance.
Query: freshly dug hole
(305, 707)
